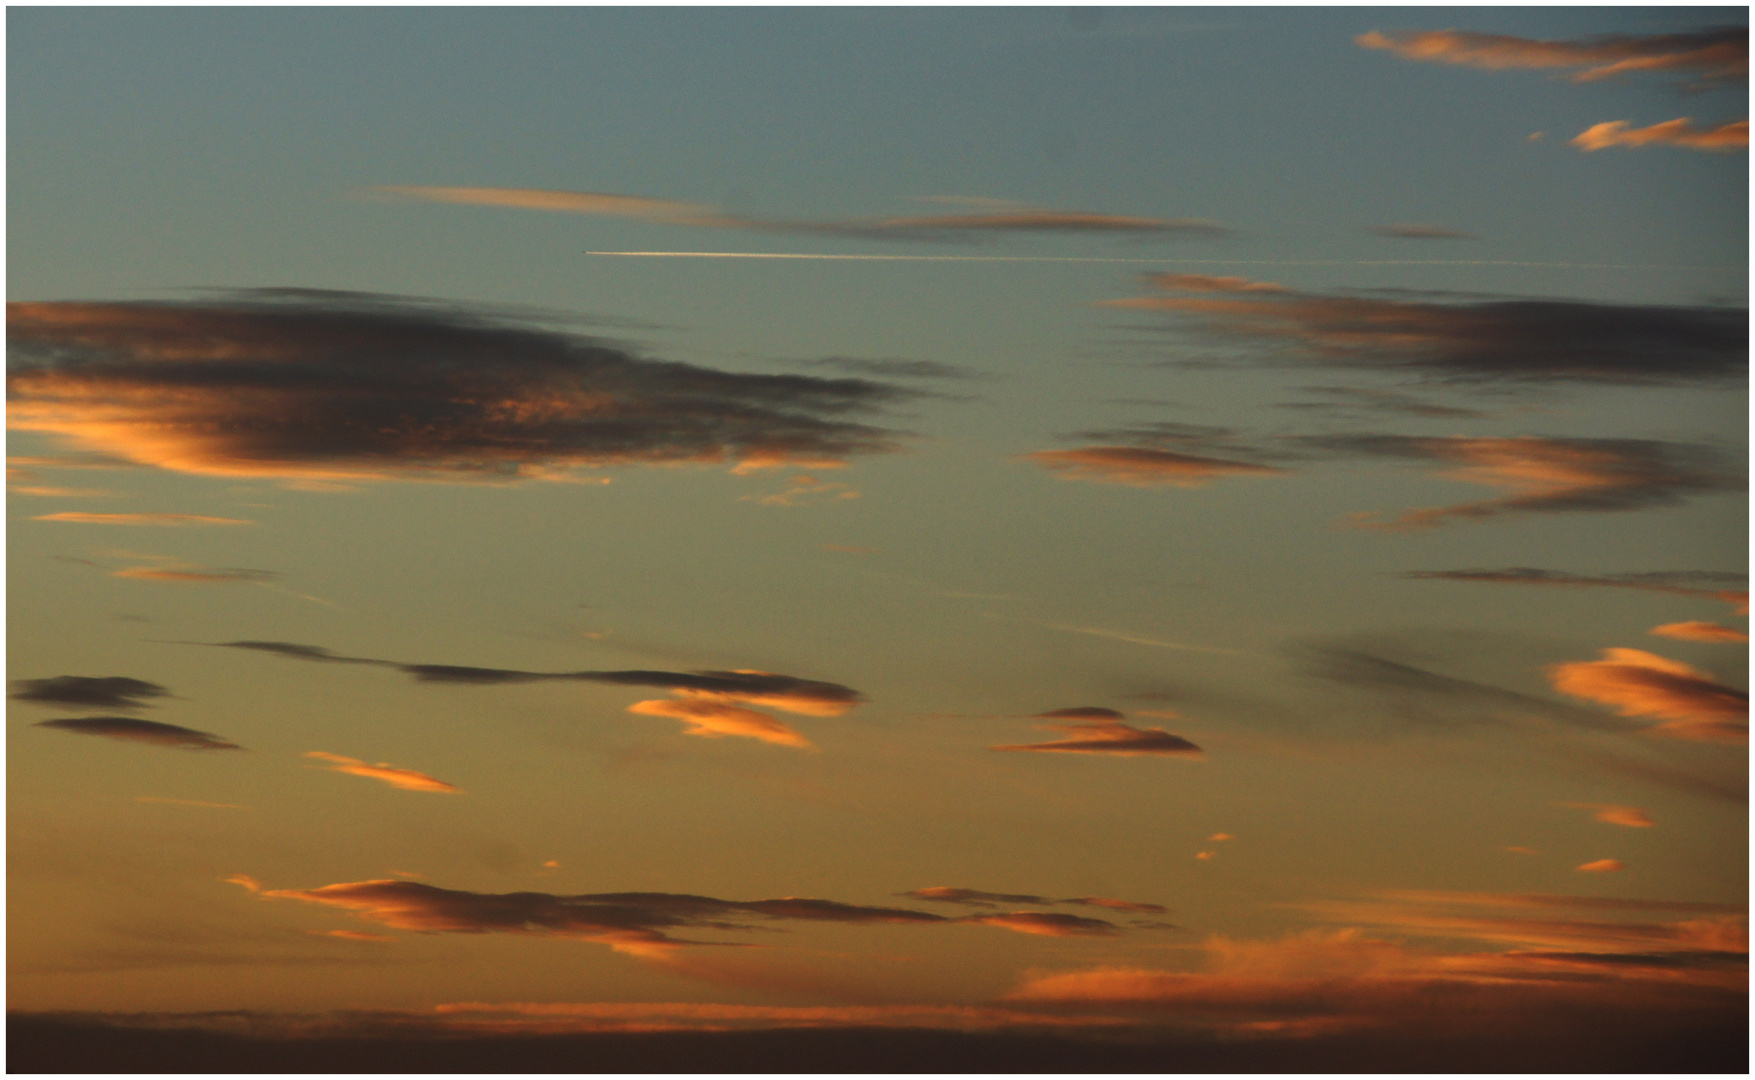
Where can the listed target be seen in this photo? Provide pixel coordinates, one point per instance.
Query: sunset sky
(1216, 521)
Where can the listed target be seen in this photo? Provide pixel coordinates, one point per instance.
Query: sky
(1220, 523)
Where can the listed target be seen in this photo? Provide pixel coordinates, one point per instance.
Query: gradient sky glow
(548, 520)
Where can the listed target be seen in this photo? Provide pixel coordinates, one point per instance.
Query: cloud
(196, 575)
(1118, 905)
(82, 691)
(353, 935)
(1220, 836)
(716, 719)
(1631, 816)
(312, 385)
(1112, 737)
(1699, 631)
(1420, 232)
(147, 731)
(1083, 712)
(639, 924)
(1356, 399)
(1046, 924)
(1602, 866)
(1676, 582)
(140, 519)
(1725, 138)
(1549, 475)
(1143, 466)
(934, 227)
(1464, 341)
(1716, 55)
(896, 369)
(1639, 683)
(406, 779)
(945, 894)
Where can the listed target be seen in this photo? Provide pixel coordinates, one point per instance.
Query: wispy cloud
(896, 369)
(80, 518)
(941, 227)
(196, 575)
(310, 385)
(942, 894)
(1641, 684)
(1548, 475)
(1716, 55)
(717, 719)
(1700, 631)
(1468, 341)
(129, 729)
(406, 779)
(1609, 813)
(1601, 866)
(1046, 924)
(1725, 138)
(1141, 466)
(1106, 736)
(88, 692)
(1704, 583)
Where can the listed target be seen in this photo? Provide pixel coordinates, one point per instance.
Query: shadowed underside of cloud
(634, 923)
(1704, 583)
(82, 691)
(1716, 55)
(1700, 631)
(943, 227)
(1638, 683)
(1631, 816)
(406, 779)
(1112, 737)
(147, 731)
(944, 894)
(324, 385)
(1725, 138)
(1549, 475)
(1517, 340)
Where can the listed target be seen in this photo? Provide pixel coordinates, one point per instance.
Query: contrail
(1211, 262)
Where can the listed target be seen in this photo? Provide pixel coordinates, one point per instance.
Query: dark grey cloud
(1103, 736)
(896, 369)
(1520, 340)
(147, 731)
(325, 385)
(1349, 399)
(1083, 712)
(785, 691)
(977, 898)
(89, 692)
(1420, 232)
(627, 920)
(1714, 584)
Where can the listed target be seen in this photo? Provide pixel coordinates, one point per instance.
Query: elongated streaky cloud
(1142, 466)
(197, 575)
(1700, 631)
(1631, 816)
(312, 385)
(932, 227)
(716, 719)
(1548, 475)
(1703, 583)
(1725, 138)
(1112, 737)
(129, 729)
(1465, 340)
(79, 518)
(977, 898)
(630, 922)
(406, 779)
(1720, 54)
(1602, 866)
(1640, 684)
(88, 692)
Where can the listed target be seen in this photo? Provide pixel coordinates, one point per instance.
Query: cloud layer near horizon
(941, 227)
(1464, 341)
(334, 385)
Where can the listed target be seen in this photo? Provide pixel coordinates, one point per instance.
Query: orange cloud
(1112, 737)
(1143, 466)
(1602, 866)
(199, 575)
(1699, 631)
(1220, 836)
(1677, 582)
(1639, 683)
(1046, 924)
(140, 519)
(320, 386)
(406, 779)
(1715, 55)
(352, 935)
(717, 719)
(1631, 816)
(1209, 283)
(1724, 138)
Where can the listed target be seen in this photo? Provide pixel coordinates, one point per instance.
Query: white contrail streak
(1212, 262)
